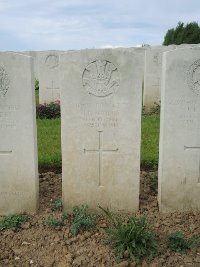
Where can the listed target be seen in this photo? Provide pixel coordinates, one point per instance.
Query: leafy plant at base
(177, 242)
(57, 204)
(54, 222)
(135, 237)
(13, 221)
(80, 219)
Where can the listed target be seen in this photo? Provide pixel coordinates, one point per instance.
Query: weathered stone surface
(152, 75)
(18, 151)
(179, 163)
(101, 108)
(48, 68)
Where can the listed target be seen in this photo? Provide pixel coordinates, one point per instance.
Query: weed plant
(81, 220)
(12, 221)
(178, 243)
(134, 237)
(53, 222)
(57, 204)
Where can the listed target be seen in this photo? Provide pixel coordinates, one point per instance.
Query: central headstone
(101, 107)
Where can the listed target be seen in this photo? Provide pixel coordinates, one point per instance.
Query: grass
(150, 140)
(49, 143)
(37, 97)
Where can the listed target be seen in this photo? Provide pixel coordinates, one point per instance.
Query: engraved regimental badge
(101, 78)
(194, 77)
(52, 61)
(4, 81)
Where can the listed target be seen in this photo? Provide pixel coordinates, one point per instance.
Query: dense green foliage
(177, 242)
(134, 237)
(53, 222)
(12, 221)
(48, 111)
(183, 34)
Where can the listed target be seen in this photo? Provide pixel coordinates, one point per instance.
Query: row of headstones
(46, 69)
(101, 96)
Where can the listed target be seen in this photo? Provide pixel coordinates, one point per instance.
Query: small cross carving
(100, 151)
(52, 88)
(194, 148)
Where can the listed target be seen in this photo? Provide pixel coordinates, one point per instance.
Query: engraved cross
(100, 151)
(196, 148)
(52, 88)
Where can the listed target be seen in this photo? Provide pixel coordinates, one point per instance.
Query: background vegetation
(183, 34)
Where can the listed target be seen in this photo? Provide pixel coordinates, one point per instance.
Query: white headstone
(49, 76)
(179, 163)
(152, 76)
(18, 149)
(101, 108)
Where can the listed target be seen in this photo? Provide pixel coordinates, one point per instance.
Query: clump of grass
(57, 204)
(12, 221)
(134, 237)
(81, 220)
(53, 222)
(178, 243)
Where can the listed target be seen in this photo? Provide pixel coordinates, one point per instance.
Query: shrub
(178, 243)
(12, 221)
(48, 111)
(81, 220)
(134, 237)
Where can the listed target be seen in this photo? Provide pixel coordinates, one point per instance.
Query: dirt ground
(35, 244)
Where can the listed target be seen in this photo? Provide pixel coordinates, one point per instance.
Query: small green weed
(36, 84)
(57, 204)
(177, 242)
(12, 221)
(81, 220)
(134, 237)
(55, 222)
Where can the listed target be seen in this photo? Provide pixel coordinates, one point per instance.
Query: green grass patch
(150, 140)
(37, 97)
(49, 144)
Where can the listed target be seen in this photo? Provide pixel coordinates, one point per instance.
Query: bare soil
(35, 244)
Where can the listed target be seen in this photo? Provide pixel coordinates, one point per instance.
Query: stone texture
(18, 151)
(152, 75)
(48, 68)
(101, 108)
(179, 162)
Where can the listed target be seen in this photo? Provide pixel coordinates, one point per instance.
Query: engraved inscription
(194, 77)
(52, 61)
(194, 148)
(4, 81)
(100, 151)
(101, 78)
(7, 116)
(99, 115)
